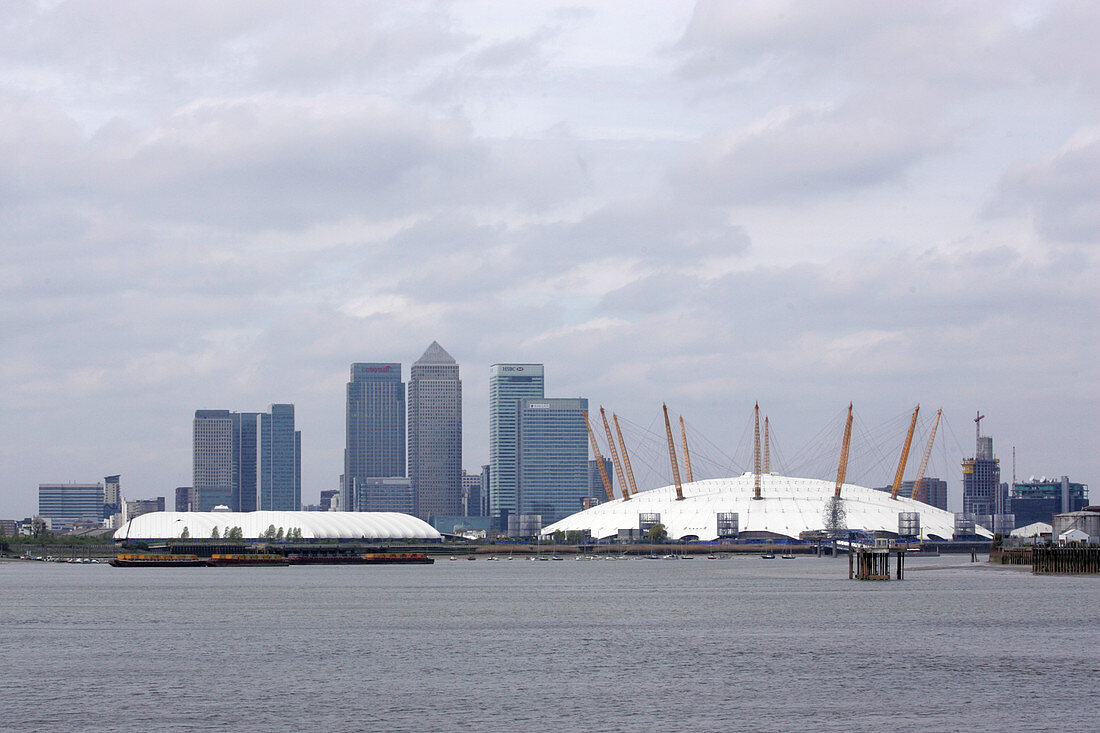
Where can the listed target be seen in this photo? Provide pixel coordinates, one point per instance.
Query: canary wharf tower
(508, 385)
(435, 434)
(375, 429)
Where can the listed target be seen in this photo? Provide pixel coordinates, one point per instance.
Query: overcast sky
(223, 204)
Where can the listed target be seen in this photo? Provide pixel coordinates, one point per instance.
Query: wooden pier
(1010, 555)
(873, 563)
(1064, 560)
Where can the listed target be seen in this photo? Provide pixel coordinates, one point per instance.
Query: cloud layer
(225, 204)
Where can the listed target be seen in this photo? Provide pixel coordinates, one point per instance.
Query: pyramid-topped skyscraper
(435, 434)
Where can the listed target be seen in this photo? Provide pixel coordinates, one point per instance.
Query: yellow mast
(687, 454)
(672, 456)
(626, 456)
(904, 455)
(842, 467)
(767, 447)
(599, 459)
(756, 452)
(614, 456)
(918, 483)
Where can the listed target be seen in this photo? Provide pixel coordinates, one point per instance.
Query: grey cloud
(955, 48)
(222, 47)
(261, 161)
(804, 153)
(1061, 191)
(658, 292)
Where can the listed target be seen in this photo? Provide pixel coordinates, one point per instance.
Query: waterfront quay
(1050, 560)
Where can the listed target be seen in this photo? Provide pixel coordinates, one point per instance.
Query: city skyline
(396, 498)
(705, 204)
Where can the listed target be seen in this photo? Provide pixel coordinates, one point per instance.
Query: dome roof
(314, 525)
(788, 506)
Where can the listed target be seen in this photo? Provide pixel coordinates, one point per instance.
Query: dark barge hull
(236, 561)
(159, 563)
(361, 560)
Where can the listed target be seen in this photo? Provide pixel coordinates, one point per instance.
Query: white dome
(314, 525)
(788, 506)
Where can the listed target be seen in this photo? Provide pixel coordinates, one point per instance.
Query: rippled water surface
(705, 645)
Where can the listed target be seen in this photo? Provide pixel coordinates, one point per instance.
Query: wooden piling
(873, 563)
(1065, 560)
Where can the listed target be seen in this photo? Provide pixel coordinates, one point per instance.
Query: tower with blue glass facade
(552, 457)
(508, 385)
(375, 447)
(246, 460)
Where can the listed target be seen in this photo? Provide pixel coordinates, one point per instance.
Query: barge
(159, 561)
(223, 560)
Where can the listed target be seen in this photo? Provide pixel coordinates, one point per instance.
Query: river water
(701, 645)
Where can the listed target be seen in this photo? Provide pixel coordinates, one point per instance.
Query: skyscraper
(982, 481)
(246, 460)
(435, 434)
(280, 460)
(214, 460)
(112, 496)
(508, 384)
(375, 429)
(552, 453)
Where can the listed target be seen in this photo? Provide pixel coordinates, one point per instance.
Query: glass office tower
(375, 428)
(508, 384)
(246, 460)
(552, 453)
(280, 460)
(435, 434)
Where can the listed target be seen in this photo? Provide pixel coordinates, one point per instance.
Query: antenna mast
(687, 454)
(626, 456)
(842, 467)
(599, 459)
(756, 451)
(672, 456)
(904, 455)
(767, 447)
(614, 456)
(918, 483)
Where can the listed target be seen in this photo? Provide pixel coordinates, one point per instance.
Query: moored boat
(159, 561)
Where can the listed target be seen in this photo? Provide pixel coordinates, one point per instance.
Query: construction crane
(614, 456)
(687, 454)
(672, 456)
(842, 467)
(978, 431)
(904, 455)
(918, 482)
(599, 459)
(767, 447)
(756, 451)
(626, 456)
